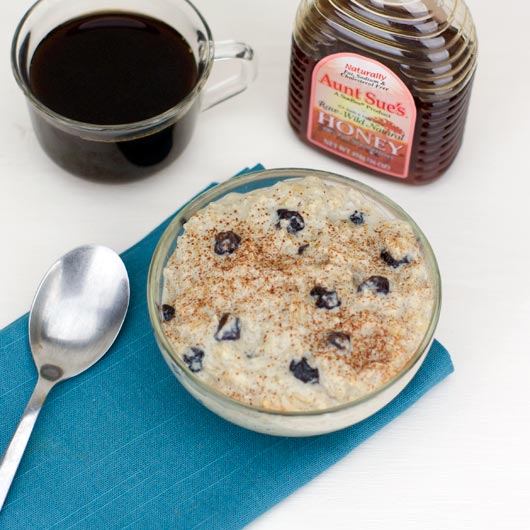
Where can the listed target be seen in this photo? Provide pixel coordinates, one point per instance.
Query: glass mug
(132, 150)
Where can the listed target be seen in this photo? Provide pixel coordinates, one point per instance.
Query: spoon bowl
(75, 317)
(77, 311)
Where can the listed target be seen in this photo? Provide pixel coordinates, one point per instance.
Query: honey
(383, 84)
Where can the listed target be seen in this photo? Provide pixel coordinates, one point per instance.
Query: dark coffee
(113, 69)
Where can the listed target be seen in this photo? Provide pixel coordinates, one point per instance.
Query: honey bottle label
(360, 110)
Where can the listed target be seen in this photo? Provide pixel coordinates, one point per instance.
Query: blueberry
(357, 218)
(302, 249)
(292, 221)
(168, 312)
(194, 359)
(376, 284)
(303, 371)
(226, 242)
(339, 339)
(393, 262)
(325, 299)
(229, 328)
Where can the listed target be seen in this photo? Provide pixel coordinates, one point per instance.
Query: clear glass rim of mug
(153, 122)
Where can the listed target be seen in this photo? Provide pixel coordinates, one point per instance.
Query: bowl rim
(215, 192)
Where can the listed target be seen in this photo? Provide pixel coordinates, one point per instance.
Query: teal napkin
(124, 446)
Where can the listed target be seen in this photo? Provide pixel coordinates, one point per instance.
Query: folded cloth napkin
(125, 446)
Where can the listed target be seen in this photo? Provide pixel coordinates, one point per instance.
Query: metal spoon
(75, 317)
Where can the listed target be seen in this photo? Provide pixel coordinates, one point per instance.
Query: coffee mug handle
(237, 83)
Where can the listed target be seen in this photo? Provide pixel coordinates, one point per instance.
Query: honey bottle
(384, 84)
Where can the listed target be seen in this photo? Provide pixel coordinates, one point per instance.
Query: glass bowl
(268, 421)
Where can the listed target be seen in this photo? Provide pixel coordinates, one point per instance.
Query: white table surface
(459, 459)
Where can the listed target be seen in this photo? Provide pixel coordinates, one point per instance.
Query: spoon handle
(15, 450)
